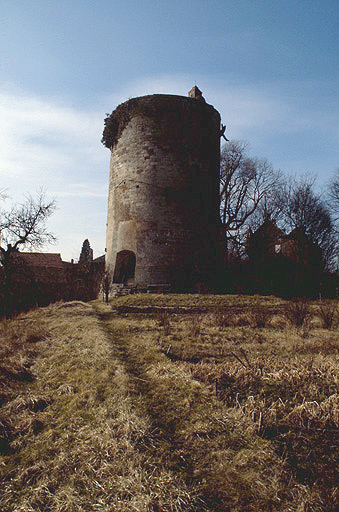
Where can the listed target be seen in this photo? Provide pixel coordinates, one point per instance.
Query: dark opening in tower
(124, 266)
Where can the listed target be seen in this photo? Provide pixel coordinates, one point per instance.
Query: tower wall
(163, 191)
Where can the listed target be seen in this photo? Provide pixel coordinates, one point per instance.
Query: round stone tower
(163, 205)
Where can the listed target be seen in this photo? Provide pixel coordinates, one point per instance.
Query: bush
(296, 311)
(196, 326)
(260, 316)
(223, 318)
(163, 321)
(326, 314)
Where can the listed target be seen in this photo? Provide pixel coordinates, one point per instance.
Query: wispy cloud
(42, 141)
(84, 190)
(46, 142)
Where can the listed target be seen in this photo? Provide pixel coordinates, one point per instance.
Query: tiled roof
(40, 259)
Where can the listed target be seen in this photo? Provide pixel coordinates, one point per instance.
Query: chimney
(196, 93)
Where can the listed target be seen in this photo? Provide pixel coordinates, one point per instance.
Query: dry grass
(223, 318)
(260, 316)
(196, 325)
(212, 446)
(297, 311)
(79, 438)
(327, 314)
(18, 345)
(206, 404)
(164, 322)
(194, 300)
(284, 380)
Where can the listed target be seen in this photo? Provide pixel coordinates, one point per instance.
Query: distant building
(287, 264)
(37, 279)
(44, 266)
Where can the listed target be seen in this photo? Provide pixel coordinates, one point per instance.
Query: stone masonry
(163, 219)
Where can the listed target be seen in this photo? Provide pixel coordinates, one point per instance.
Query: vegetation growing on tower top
(152, 106)
(115, 123)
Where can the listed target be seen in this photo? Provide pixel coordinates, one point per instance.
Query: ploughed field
(171, 403)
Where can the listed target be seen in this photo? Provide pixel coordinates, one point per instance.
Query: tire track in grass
(165, 447)
(95, 451)
(212, 448)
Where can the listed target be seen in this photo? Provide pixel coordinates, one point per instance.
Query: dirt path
(209, 447)
(96, 448)
(167, 446)
(125, 429)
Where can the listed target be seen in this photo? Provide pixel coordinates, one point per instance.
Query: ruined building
(163, 206)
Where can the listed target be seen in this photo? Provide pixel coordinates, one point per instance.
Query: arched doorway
(124, 266)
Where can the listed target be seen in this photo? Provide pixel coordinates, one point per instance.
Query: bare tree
(333, 194)
(23, 225)
(106, 285)
(245, 185)
(306, 211)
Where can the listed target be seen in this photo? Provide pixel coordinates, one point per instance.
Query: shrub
(163, 321)
(326, 314)
(296, 311)
(242, 319)
(223, 318)
(196, 326)
(260, 316)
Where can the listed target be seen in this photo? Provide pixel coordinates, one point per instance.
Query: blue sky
(269, 67)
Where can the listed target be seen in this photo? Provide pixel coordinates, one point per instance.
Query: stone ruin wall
(163, 191)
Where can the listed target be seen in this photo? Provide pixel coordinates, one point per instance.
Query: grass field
(171, 403)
